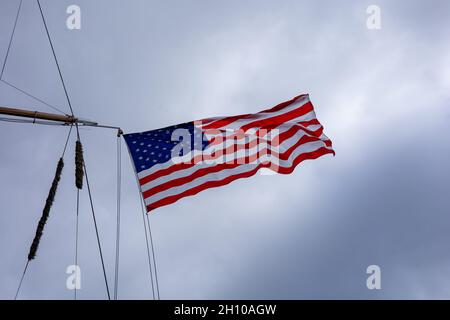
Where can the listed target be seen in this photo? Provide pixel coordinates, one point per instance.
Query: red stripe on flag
(228, 120)
(234, 163)
(182, 166)
(212, 184)
(282, 118)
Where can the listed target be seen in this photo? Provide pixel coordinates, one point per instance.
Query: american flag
(181, 160)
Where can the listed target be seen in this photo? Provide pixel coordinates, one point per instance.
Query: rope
(119, 182)
(22, 121)
(6, 60)
(76, 242)
(145, 230)
(21, 280)
(148, 248)
(79, 160)
(67, 141)
(45, 213)
(78, 134)
(56, 59)
(79, 173)
(96, 231)
(153, 254)
(11, 39)
(32, 96)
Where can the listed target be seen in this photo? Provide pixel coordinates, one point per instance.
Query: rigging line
(153, 254)
(145, 226)
(76, 226)
(56, 59)
(119, 182)
(76, 243)
(32, 96)
(67, 142)
(96, 228)
(54, 123)
(78, 135)
(148, 248)
(21, 280)
(21, 121)
(28, 261)
(99, 126)
(11, 39)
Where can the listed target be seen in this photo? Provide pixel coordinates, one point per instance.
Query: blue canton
(152, 147)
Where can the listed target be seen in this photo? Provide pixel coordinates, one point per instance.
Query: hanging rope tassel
(79, 162)
(46, 211)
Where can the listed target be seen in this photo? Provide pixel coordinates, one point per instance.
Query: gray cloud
(381, 95)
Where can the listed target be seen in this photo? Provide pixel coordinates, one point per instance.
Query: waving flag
(181, 160)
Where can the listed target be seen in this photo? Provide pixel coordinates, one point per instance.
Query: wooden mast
(68, 119)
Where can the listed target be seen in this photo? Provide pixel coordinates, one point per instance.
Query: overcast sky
(382, 96)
